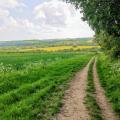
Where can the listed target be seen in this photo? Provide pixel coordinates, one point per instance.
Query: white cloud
(53, 13)
(16, 29)
(50, 19)
(3, 17)
(3, 13)
(61, 19)
(6, 20)
(10, 3)
(16, 24)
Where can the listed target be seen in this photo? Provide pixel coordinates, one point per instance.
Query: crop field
(60, 48)
(48, 46)
(32, 84)
(33, 80)
(22, 60)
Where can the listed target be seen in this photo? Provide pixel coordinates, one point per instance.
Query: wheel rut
(73, 101)
(74, 107)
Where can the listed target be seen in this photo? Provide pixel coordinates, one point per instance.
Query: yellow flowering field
(59, 48)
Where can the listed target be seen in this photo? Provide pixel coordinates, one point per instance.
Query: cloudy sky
(40, 19)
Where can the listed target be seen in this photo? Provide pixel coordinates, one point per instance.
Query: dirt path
(73, 102)
(104, 104)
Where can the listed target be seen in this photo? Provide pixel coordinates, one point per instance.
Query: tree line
(104, 18)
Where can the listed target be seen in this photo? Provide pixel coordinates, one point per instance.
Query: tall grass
(109, 73)
(35, 93)
(90, 100)
(22, 60)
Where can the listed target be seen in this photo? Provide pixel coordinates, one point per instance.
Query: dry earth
(73, 102)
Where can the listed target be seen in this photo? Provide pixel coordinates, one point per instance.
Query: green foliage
(109, 73)
(109, 43)
(35, 93)
(104, 18)
(90, 100)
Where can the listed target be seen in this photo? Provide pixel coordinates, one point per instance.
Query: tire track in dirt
(73, 101)
(106, 108)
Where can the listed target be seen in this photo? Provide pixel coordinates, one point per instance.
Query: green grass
(23, 60)
(109, 73)
(35, 92)
(90, 100)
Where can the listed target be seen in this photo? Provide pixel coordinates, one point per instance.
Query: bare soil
(73, 102)
(107, 112)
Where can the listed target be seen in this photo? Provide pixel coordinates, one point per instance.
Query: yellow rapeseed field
(59, 48)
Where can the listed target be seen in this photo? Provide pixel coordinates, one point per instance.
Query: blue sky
(40, 19)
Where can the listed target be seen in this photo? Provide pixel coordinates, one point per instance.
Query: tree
(104, 18)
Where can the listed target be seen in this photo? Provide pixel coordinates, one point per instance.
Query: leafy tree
(104, 18)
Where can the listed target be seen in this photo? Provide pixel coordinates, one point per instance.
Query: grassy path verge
(90, 100)
(109, 74)
(105, 106)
